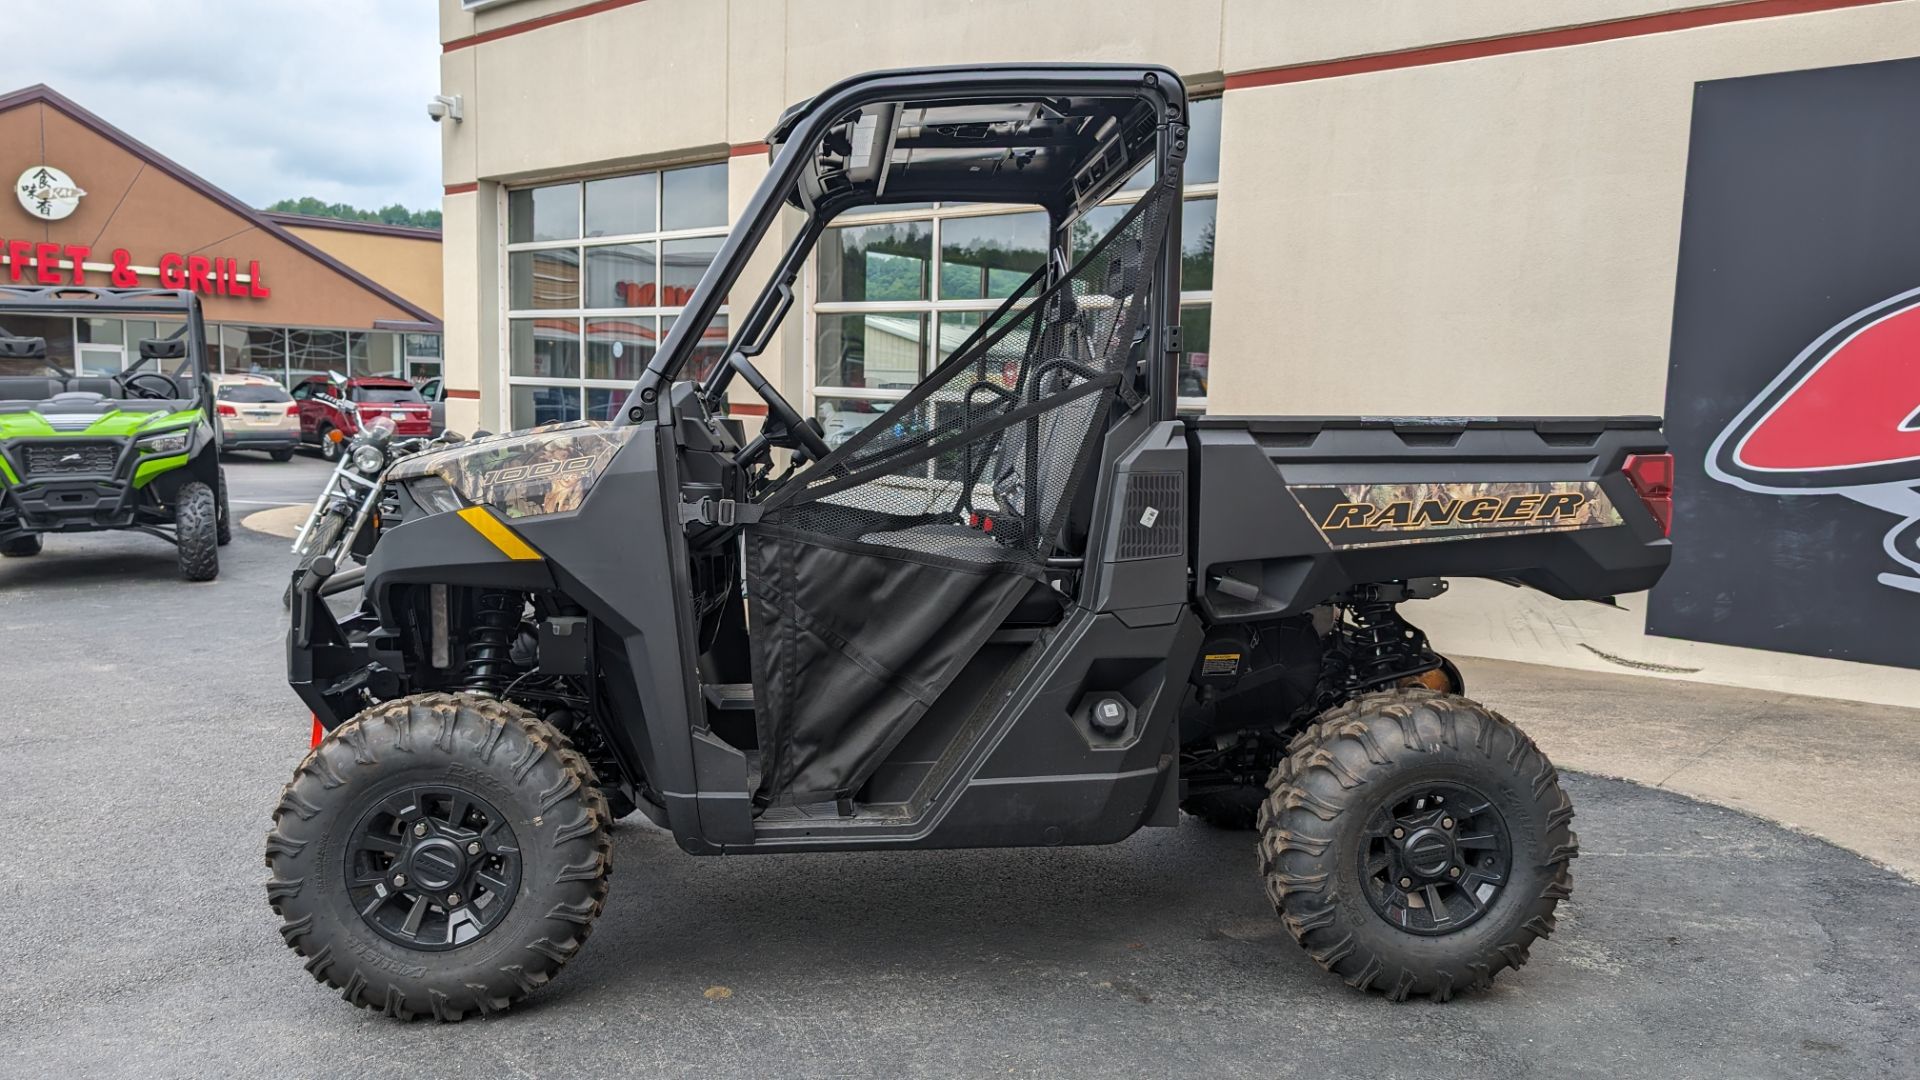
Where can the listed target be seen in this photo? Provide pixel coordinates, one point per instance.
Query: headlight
(173, 442)
(369, 459)
(434, 495)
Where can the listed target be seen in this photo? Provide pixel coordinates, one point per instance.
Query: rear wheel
(196, 527)
(21, 546)
(1416, 842)
(439, 855)
(281, 455)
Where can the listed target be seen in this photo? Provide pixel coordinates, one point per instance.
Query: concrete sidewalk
(1840, 770)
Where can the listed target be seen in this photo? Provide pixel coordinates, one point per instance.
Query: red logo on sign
(1842, 419)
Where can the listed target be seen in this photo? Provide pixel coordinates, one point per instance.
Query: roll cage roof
(88, 301)
(1059, 136)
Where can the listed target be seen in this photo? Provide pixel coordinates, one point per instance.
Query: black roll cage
(66, 299)
(796, 139)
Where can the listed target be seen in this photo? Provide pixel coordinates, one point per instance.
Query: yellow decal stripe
(497, 533)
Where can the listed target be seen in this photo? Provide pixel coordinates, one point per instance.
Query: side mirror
(481, 433)
(451, 436)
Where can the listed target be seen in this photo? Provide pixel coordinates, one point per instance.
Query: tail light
(228, 410)
(293, 408)
(1652, 478)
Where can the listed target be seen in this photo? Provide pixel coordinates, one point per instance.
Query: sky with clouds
(268, 99)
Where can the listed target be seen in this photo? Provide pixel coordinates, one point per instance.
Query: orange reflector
(335, 436)
(318, 731)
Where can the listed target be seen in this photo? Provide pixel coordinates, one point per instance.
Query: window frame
(580, 314)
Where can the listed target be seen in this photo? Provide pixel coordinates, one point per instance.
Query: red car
(326, 406)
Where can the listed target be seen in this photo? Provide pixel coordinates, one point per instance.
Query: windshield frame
(66, 301)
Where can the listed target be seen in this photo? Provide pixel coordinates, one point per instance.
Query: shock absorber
(496, 615)
(1385, 646)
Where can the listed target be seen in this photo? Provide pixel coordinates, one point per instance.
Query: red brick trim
(462, 395)
(462, 189)
(747, 149)
(1634, 26)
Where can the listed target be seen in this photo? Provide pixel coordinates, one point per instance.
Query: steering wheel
(797, 426)
(131, 383)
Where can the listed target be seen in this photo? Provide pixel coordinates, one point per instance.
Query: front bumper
(45, 494)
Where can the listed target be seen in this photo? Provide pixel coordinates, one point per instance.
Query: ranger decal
(1369, 515)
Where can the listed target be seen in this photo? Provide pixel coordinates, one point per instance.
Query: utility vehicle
(134, 449)
(1028, 605)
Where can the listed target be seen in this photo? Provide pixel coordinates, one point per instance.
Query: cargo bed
(1289, 510)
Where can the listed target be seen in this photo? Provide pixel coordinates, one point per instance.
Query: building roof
(309, 221)
(40, 93)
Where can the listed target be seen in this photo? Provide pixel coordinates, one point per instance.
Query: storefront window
(376, 353)
(596, 272)
(694, 198)
(315, 352)
(543, 213)
(266, 352)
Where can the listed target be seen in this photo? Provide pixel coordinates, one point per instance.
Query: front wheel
(196, 527)
(1416, 842)
(329, 449)
(439, 855)
(21, 547)
(281, 455)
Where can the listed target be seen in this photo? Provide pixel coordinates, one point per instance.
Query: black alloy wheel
(1435, 859)
(433, 867)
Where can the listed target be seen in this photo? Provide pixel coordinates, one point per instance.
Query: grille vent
(1153, 520)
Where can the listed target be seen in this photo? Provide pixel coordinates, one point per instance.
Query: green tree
(396, 214)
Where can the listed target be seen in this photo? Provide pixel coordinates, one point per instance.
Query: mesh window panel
(877, 573)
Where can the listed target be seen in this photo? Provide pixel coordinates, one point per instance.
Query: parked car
(433, 391)
(332, 405)
(254, 412)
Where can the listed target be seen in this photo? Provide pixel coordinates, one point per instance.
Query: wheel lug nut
(1446, 823)
(1453, 872)
(399, 881)
(473, 848)
(1406, 883)
(420, 829)
(1399, 834)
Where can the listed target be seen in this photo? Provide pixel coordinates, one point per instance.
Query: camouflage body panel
(1375, 515)
(523, 474)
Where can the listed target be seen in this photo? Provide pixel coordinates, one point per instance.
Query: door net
(878, 572)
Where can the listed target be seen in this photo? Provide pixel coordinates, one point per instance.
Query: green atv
(134, 449)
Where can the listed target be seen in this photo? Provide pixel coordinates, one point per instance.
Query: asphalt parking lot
(146, 731)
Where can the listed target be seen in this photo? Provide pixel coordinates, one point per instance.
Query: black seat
(28, 387)
(97, 384)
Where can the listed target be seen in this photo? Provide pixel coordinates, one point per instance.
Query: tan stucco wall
(1490, 236)
(1483, 236)
(406, 265)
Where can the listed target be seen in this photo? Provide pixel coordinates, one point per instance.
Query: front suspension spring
(496, 615)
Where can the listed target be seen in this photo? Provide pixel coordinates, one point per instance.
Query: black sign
(1793, 396)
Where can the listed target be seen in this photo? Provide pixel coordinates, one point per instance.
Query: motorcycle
(352, 496)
